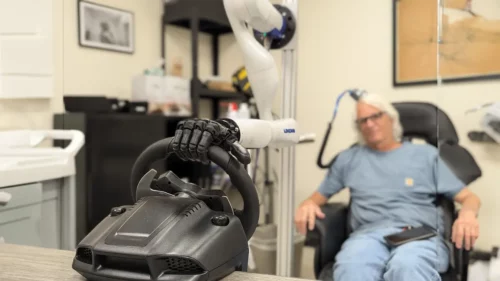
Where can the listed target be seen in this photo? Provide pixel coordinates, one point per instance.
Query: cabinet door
(114, 141)
(20, 217)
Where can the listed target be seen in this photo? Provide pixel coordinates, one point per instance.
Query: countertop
(27, 263)
(18, 170)
(24, 160)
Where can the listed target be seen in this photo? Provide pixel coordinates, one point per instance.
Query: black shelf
(205, 26)
(199, 91)
(206, 16)
(209, 15)
(203, 92)
(209, 93)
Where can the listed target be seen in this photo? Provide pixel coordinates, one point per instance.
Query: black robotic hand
(193, 137)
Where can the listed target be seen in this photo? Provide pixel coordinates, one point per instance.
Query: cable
(356, 94)
(337, 103)
(327, 134)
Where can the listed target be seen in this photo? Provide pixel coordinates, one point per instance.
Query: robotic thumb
(240, 153)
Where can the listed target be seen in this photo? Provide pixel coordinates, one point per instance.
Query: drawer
(22, 225)
(23, 195)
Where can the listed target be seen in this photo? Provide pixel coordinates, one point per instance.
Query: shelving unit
(206, 16)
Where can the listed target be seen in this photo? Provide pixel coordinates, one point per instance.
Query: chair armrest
(461, 257)
(328, 234)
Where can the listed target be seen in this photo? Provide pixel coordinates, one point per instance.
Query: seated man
(393, 184)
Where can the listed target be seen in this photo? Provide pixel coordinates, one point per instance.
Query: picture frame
(106, 28)
(467, 42)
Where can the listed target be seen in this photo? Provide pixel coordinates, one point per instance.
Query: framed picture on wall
(459, 41)
(105, 27)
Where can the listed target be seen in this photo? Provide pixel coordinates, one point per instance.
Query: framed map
(465, 34)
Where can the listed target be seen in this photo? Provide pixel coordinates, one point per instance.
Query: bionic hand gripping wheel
(175, 230)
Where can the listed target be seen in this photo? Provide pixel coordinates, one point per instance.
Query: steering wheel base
(239, 177)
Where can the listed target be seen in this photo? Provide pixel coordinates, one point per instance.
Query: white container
(168, 91)
(263, 246)
(244, 111)
(232, 111)
(148, 88)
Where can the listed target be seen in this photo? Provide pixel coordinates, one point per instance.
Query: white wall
(346, 44)
(90, 71)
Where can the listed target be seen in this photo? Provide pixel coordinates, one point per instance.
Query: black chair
(419, 120)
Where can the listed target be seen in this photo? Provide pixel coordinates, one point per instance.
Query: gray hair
(382, 104)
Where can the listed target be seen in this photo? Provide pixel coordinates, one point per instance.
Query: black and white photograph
(105, 27)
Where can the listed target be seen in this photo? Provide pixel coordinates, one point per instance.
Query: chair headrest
(426, 121)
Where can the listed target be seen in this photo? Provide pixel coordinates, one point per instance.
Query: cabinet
(113, 141)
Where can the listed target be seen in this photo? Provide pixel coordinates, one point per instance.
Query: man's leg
(362, 257)
(421, 260)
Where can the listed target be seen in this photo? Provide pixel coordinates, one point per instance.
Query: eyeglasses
(373, 117)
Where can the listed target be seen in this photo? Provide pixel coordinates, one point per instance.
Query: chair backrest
(426, 121)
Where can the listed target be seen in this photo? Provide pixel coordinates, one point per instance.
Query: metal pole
(285, 243)
(68, 213)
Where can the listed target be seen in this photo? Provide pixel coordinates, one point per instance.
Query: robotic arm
(193, 137)
(260, 65)
(262, 72)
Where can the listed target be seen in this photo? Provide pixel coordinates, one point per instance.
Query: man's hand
(193, 137)
(306, 216)
(465, 229)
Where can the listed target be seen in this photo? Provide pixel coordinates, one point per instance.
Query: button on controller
(117, 211)
(220, 220)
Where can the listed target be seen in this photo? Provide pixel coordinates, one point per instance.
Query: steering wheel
(239, 177)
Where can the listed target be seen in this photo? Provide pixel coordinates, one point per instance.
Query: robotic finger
(193, 137)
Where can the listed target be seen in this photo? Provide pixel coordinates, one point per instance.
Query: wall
(345, 44)
(90, 71)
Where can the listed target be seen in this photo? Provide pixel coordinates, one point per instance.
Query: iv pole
(285, 241)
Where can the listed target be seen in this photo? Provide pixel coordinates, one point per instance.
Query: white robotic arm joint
(275, 23)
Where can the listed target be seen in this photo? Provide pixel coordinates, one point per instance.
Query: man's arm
(307, 212)
(469, 201)
(318, 199)
(466, 227)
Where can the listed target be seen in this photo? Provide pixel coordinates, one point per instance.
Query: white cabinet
(20, 218)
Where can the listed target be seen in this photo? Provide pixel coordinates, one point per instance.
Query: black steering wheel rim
(249, 215)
